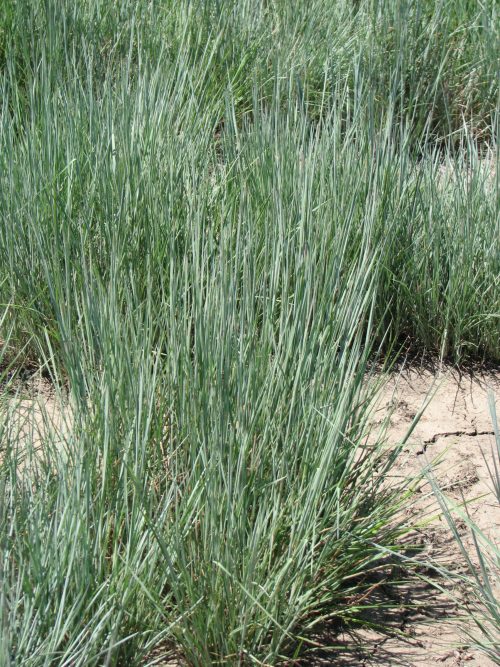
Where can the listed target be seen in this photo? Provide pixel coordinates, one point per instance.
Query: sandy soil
(452, 436)
(31, 411)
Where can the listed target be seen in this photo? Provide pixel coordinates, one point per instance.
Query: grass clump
(215, 488)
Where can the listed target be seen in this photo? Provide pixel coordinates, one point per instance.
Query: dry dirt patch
(453, 436)
(32, 413)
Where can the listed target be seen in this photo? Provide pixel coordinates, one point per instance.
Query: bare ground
(31, 411)
(454, 437)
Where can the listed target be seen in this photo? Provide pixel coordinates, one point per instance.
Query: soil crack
(448, 434)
